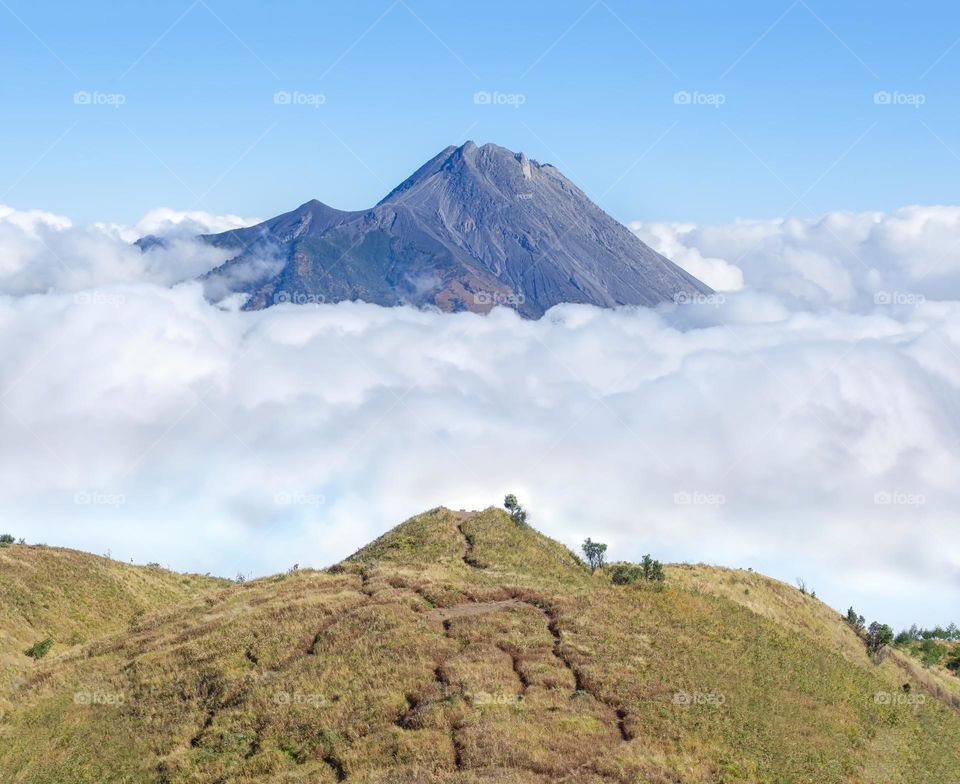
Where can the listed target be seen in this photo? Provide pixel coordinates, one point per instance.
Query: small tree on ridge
(594, 552)
(517, 513)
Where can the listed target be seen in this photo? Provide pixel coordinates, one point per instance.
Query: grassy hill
(462, 648)
(70, 598)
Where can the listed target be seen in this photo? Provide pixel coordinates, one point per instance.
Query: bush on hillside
(931, 652)
(6, 540)
(648, 570)
(39, 649)
(652, 570)
(856, 622)
(879, 636)
(626, 574)
(903, 639)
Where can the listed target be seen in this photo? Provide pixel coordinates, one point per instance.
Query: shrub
(932, 652)
(903, 639)
(879, 636)
(856, 622)
(625, 574)
(648, 570)
(652, 570)
(39, 649)
(6, 540)
(954, 664)
(594, 552)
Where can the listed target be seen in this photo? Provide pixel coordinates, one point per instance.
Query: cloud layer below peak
(804, 424)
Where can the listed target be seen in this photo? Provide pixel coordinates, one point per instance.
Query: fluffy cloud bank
(848, 260)
(798, 428)
(41, 252)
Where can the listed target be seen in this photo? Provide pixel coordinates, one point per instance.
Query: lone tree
(856, 622)
(517, 513)
(595, 553)
(879, 636)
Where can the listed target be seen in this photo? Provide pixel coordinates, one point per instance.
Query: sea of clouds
(804, 422)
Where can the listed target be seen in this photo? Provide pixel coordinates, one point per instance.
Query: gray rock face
(472, 228)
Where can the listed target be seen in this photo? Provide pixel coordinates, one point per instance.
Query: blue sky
(798, 130)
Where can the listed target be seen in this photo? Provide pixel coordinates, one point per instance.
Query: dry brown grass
(465, 649)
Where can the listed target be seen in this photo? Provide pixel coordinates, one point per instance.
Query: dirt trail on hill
(470, 608)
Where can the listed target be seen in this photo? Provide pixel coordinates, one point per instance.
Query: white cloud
(166, 222)
(42, 252)
(809, 431)
(670, 240)
(840, 260)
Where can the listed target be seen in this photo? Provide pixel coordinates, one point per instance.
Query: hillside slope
(462, 648)
(71, 598)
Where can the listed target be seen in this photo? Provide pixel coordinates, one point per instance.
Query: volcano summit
(472, 228)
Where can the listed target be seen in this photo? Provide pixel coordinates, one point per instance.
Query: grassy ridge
(69, 598)
(463, 648)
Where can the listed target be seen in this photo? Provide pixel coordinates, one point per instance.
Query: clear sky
(782, 116)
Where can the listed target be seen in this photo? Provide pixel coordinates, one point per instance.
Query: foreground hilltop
(472, 228)
(464, 648)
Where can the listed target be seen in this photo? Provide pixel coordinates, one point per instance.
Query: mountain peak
(473, 227)
(490, 160)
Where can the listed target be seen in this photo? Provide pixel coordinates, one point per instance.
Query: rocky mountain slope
(463, 648)
(474, 227)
